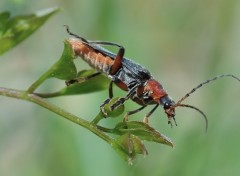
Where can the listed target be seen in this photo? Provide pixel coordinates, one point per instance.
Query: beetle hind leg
(78, 80)
(117, 61)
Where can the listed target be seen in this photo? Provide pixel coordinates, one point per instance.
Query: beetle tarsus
(175, 121)
(125, 117)
(170, 122)
(102, 107)
(145, 120)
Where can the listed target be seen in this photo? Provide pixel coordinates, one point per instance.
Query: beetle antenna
(203, 83)
(200, 111)
(75, 35)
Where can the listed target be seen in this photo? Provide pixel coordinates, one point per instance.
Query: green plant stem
(35, 85)
(24, 95)
(97, 118)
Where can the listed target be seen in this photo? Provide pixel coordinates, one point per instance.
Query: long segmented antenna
(75, 35)
(200, 111)
(89, 42)
(203, 83)
(178, 104)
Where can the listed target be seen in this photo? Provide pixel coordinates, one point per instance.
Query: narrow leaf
(16, 29)
(85, 86)
(3, 21)
(64, 68)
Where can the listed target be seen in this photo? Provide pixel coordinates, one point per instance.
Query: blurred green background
(182, 42)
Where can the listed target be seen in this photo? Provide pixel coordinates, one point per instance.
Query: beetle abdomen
(94, 58)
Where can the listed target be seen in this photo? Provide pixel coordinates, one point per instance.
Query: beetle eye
(167, 102)
(166, 105)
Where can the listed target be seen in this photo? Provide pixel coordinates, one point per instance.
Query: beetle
(130, 76)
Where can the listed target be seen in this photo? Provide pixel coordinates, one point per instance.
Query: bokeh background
(182, 42)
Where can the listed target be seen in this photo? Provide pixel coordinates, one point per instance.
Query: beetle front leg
(145, 119)
(133, 112)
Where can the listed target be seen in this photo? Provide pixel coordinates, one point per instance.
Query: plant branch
(41, 102)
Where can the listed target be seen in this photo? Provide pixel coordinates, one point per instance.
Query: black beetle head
(169, 107)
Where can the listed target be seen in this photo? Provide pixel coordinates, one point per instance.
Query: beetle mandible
(130, 76)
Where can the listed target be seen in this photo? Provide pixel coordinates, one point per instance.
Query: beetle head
(169, 108)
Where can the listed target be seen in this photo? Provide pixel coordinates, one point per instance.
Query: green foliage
(64, 68)
(143, 131)
(84, 86)
(16, 29)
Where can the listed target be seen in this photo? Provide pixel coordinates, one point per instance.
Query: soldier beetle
(130, 76)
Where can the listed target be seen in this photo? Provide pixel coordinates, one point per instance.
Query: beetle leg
(145, 119)
(133, 112)
(123, 99)
(102, 106)
(118, 103)
(117, 61)
(107, 100)
(110, 90)
(72, 81)
(170, 121)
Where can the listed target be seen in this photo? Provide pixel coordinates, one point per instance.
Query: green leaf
(128, 146)
(14, 30)
(3, 21)
(85, 86)
(143, 131)
(64, 68)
